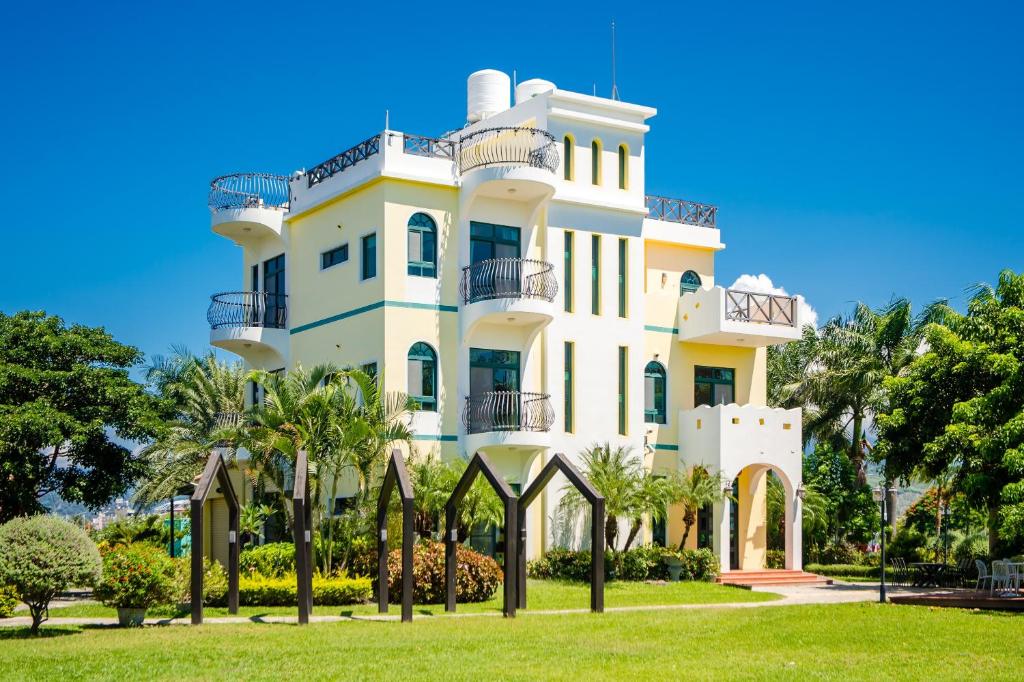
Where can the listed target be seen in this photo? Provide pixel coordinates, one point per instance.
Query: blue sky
(855, 152)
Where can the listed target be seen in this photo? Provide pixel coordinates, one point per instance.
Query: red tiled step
(771, 577)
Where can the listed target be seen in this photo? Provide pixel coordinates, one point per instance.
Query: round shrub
(40, 556)
(271, 560)
(215, 583)
(136, 576)
(476, 576)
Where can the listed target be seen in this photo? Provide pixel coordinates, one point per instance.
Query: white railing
(749, 306)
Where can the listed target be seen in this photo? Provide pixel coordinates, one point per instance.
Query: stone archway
(741, 542)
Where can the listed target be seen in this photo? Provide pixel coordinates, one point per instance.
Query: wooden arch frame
(480, 464)
(302, 527)
(560, 462)
(396, 475)
(215, 470)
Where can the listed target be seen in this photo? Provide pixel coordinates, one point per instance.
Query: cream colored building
(515, 277)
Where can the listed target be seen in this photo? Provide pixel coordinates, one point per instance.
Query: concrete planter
(675, 567)
(130, 618)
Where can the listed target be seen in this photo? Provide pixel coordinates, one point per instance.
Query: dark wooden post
(233, 550)
(451, 539)
(396, 475)
(511, 556)
(408, 539)
(196, 529)
(215, 471)
(597, 556)
(303, 558)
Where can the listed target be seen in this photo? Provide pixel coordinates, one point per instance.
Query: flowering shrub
(283, 590)
(8, 600)
(136, 576)
(41, 556)
(476, 576)
(271, 560)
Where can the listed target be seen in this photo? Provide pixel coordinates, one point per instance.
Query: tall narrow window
(623, 167)
(567, 157)
(689, 282)
(422, 246)
(595, 162)
(369, 254)
(275, 301)
(623, 258)
(568, 388)
(423, 376)
(654, 393)
(595, 274)
(567, 289)
(623, 362)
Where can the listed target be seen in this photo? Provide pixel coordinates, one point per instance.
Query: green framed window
(595, 274)
(623, 278)
(567, 157)
(335, 256)
(623, 398)
(422, 241)
(714, 385)
(422, 365)
(567, 292)
(369, 369)
(623, 167)
(689, 282)
(368, 266)
(570, 352)
(654, 393)
(595, 162)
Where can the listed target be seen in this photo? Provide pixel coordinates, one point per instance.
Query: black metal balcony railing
(508, 146)
(346, 159)
(748, 306)
(248, 190)
(418, 145)
(508, 278)
(681, 211)
(248, 309)
(508, 411)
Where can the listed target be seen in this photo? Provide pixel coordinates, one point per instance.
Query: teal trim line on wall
(663, 330)
(444, 438)
(666, 446)
(374, 306)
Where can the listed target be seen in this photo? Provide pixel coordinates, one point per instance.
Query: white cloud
(762, 284)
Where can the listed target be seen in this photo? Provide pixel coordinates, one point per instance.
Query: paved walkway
(792, 595)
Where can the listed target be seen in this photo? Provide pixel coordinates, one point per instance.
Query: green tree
(251, 520)
(651, 497)
(616, 474)
(68, 412)
(960, 407)
(694, 490)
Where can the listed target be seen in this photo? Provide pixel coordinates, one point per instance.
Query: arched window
(423, 376)
(689, 283)
(422, 246)
(595, 162)
(568, 160)
(623, 167)
(654, 393)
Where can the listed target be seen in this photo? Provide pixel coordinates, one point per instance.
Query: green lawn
(845, 641)
(542, 595)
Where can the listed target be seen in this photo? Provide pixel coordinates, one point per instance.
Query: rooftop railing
(248, 190)
(681, 211)
(346, 159)
(508, 146)
(748, 306)
(418, 145)
(508, 278)
(508, 411)
(248, 309)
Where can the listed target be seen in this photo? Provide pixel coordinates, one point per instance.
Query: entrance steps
(770, 577)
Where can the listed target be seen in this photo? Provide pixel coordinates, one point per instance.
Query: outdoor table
(928, 574)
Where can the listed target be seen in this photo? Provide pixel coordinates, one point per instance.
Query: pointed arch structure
(480, 464)
(302, 527)
(215, 471)
(560, 462)
(395, 476)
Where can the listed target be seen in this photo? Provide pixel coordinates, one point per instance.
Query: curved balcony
(507, 418)
(508, 291)
(509, 162)
(248, 205)
(252, 324)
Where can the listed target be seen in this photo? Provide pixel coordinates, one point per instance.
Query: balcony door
(488, 242)
(493, 390)
(274, 290)
(713, 386)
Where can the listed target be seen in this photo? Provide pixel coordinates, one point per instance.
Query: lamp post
(879, 495)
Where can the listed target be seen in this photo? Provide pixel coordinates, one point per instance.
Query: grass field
(845, 641)
(542, 595)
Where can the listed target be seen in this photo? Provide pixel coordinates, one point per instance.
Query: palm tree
(251, 520)
(651, 497)
(615, 473)
(694, 490)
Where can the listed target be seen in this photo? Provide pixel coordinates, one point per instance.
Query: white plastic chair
(1014, 577)
(983, 575)
(1000, 576)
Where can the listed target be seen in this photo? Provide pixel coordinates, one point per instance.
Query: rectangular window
(623, 369)
(595, 274)
(568, 388)
(334, 256)
(567, 289)
(254, 278)
(275, 309)
(370, 369)
(713, 386)
(623, 256)
(369, 253)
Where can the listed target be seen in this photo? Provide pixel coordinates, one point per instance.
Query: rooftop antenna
(615, 88)
(387, 119)
(514, 80)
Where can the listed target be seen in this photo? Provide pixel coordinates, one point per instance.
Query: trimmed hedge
(283, 590)
(852, 571)
(8, 600)
(641, 563)
(275, 559)
(476, 576)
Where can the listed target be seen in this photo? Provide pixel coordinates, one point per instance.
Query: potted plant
(135, 577)
(674, 561)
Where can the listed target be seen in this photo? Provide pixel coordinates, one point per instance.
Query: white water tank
(487, 93)
(532, 88)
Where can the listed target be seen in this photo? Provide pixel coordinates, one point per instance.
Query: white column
(720, 540)
(794, 532)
